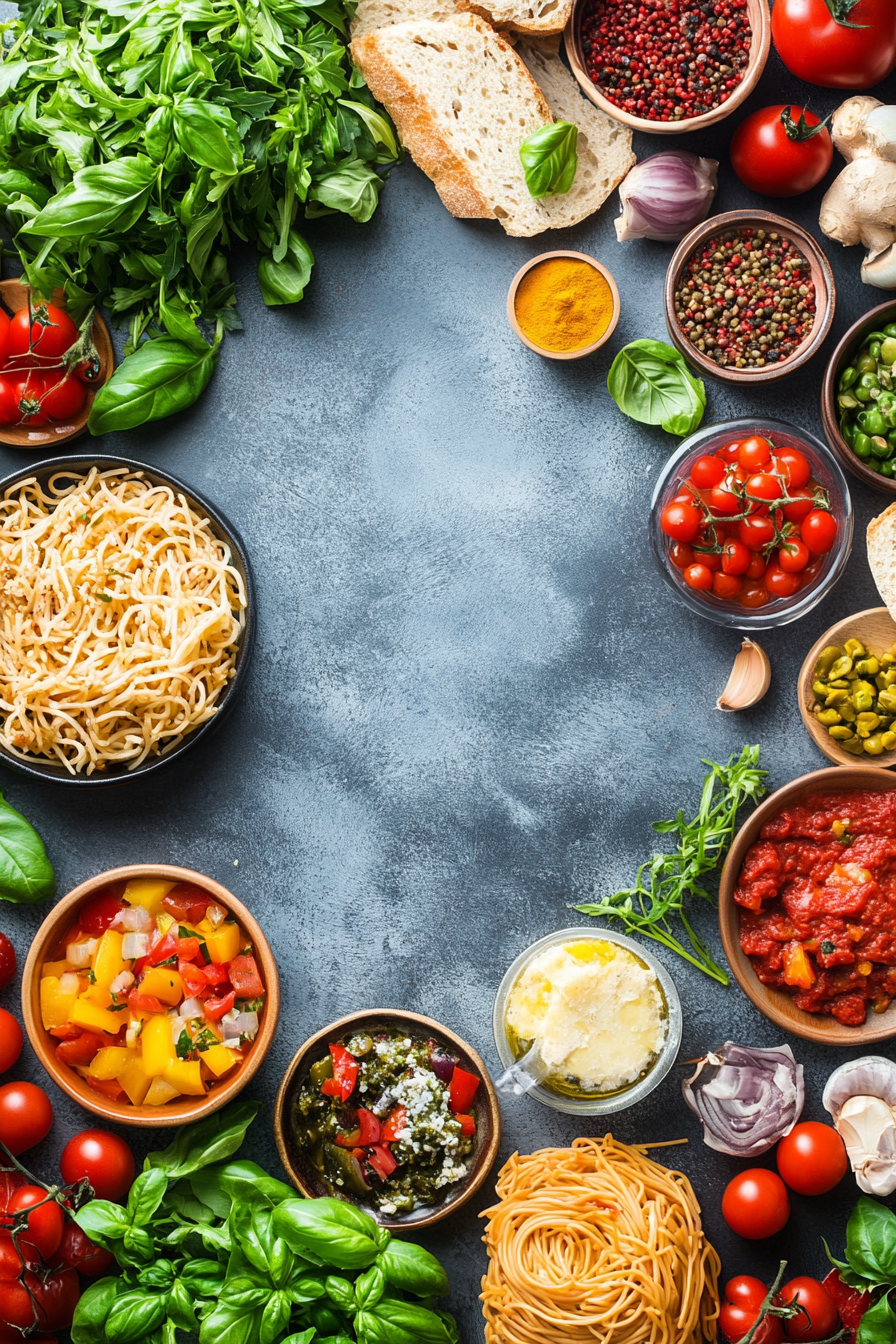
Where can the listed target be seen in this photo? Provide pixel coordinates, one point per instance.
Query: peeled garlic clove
(750, 678)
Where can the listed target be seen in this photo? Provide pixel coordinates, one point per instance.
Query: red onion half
(746, 1099)
(663, 197)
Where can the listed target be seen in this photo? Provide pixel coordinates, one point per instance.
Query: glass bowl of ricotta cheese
(603, 1012)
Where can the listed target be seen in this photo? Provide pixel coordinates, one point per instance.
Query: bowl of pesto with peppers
(391, 1111)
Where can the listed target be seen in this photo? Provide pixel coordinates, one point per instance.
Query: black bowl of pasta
(127, 618)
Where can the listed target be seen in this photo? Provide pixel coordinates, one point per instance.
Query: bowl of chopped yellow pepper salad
(150, 995)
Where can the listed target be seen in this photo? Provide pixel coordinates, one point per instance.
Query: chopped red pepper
(345, 1074)
(215, 1008)
(165, 948)
(358, 1154)
(144, 1003)
(381, 1160)
(187, 902)
(96, 916)
(371, 1129)
(187, 949)
(67, 1032)
(79, 1050)
(245, 978)
(348, 1138)
(395, 1123)
(467, 1125)
(140, 966)
(195, 982)
(108, 1086)
(215, 973)
(462, 1090)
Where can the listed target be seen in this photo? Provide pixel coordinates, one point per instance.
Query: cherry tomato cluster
(36, 387)
(801, 1310)
(749, 524)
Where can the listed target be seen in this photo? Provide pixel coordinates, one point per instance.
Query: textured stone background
(471, 692)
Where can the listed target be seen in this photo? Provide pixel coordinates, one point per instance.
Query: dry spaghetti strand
(597, 1244)
(120, 614)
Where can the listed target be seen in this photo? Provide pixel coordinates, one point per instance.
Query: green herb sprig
(667, 882)
(650, 382)
(550, 159)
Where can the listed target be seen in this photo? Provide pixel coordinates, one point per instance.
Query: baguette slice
(519, 16)
(463, 102)
(373, 14)
(881, 538)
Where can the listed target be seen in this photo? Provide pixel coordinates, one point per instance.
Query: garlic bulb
(750, 678)
(861, 1098)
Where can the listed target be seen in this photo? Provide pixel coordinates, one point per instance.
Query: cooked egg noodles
(119, 617)
(597, 1244)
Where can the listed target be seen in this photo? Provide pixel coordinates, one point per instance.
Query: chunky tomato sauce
(817, 893)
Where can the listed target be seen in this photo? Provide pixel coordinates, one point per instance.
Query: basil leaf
(96, 199)
(207, 133)
(146, 1195)
(369, 1287)
(26, 874)
(182, 327)
(180, 1307)
(207, 1141)
(424, 1326)
(133, 1315)
(102, 1221)
(246, 1180)
(233, 1320)
(353, 189)
(94, 1305)
(305, 1337)
(284, 281)
(160, 378)
(650, 382)
(203, 1278)
(871, 1242)
(274, 1318)
(413, 1270)
(326, 1232)
(549, 159)
(14, 183)
(878, 1325)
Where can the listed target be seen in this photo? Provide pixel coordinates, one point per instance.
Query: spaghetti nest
(119, 618)
(597, 1243)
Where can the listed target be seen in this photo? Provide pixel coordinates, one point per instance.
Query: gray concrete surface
(471, 693)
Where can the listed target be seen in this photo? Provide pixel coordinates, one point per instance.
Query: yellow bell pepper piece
(148, 892)
(98, 994)
(110, 1062)
(224, 942)
(186, 1076)
(55, 1006)
(158, 1047)
(107, 960)
(164, 922)
(135, 1081)
(57, 968)
(159, 1092)
(163, 983)
(92, 1018)
(219, 1059)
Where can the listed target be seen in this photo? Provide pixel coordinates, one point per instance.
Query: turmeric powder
(563, 304)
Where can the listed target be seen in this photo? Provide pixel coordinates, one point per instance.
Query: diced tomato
(187, 902)
(381, 1160)
(98, 914)
(371, 1129)
(345, 1074)
(187, 948)
(462, 1090)
(215, 973)
(108, 1086)
(216, 1008)
(144, 1003)
(67, 1032)
(467, 1125)
(80, 1050)
(357, 1153)
(348, 1138)
(165, 948)
(140, 966)
(395, 1123)
(245, 978)
(195, 982)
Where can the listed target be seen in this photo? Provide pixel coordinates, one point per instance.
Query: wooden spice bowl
(60, 919)
(877, 631)
(820, 272)
(777, 1006)
(14, 297)
(760, 24)
(563, 354)
(485, 1109)
(844, 354)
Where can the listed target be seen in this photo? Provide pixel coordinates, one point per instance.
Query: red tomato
(20, 398)
(793, 556)
(850, 1303)
(105, 1160)
(757, 566)
(819, 531)
(77, 1251)
(814, 1299)
(64, 397)
(98, 914)
(726, 586)
(217, 1007)
(755, 1203)
(793, 466)
(681, 554)
(107, 1086)
(707, 472)
(680, 521)
(55, 1298)
(10, 1264)
(803, 503)
(244, 977)
(711, 559)
(11, 1040)
(764, 486)
(775, 153)
(729, 452)
(724, 501)
(698, 576)
(188, 902)
(25, 1116)
(4, 336)
(48, 335)
(779, 583)
(821, 50)
(7, 962)
(45, 1224)
(735, 557)
(756, 532)
(10, 1182)
(80, 1050)
(754, 452)
(812, 1158)
(742, 1301)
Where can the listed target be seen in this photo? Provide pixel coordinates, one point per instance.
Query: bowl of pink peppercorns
(668, 66)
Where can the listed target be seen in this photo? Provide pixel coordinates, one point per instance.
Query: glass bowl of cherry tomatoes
(751, 523)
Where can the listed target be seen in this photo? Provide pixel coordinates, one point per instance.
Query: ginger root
(860, 207)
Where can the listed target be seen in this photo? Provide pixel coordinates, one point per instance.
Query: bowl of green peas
(858, 400)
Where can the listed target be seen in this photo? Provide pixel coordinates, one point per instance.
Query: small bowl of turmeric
(563, 305)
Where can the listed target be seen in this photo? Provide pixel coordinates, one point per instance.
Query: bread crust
(881, 539)
(544, 27)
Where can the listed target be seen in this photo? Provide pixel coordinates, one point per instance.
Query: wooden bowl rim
(774, 1004)
(173, 1113)
(827, 745)
(485, 1159)
(760, 23)
(563, 354)
(37, 440)
(846, 347)
(821, 270)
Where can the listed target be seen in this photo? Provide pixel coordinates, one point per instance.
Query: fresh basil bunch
(140, 139)
(217, 1248)
(871, 1267)
(649, 381)
(549, 159)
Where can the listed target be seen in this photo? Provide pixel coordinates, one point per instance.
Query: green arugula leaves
(650, 382)
(26, 874)
(549, 159)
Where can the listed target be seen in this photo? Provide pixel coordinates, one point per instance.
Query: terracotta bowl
(14, 297)
(877, 631)
(822, 278)
(759, 49)
(777, 1006)
(485, 1109)
(881, 316)
(562, 354)
(180, 1112)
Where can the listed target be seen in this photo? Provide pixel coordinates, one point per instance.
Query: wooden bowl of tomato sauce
(68, 424)
(102, 895)
(848, 916)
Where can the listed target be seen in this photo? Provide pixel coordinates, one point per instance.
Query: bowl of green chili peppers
(858, 400)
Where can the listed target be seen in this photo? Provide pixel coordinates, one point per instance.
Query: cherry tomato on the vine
(103, 1158)
(681, 521)
(7, 962)
(681, 554)
(698, 576)
(803, 502)
(726, 586)
(794, 467)
(757, 566)
(723, 500)
(753, 453)
(55, 1298)
(819, 531)
(754, 595)
(48, 335)
(4, 336)
(77, 1251)
(847, 44)
(45, 1220)
(736, 557)
(756, 532)
(779, 583)
(742, 1301)
(755, 1203)
(812, 1158)
(64, 397)
(729, 452)
(764, 485)
(776, 152)
(818, 1319)
(707, 472)
(26, 1116)
(793, 557)
(11, 1040)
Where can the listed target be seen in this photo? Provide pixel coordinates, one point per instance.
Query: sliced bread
(373, 14)
(519, 16)
(881, 537)
(463, 102)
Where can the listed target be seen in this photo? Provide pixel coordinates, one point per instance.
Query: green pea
(828, 717)
(888, 469)
(848, 377)
(874, 350)
(870, 380)
(865, 364)
(872, 465)
(890, 329)
(861, 444)
(826, 660)
(840, 732)
(863, 393)
(888, 350)
(873, 422)
(880, 447)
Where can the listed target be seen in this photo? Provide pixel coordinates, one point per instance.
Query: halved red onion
(442, 1065)
(747, 1099)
